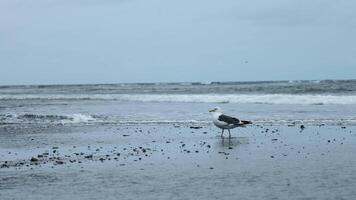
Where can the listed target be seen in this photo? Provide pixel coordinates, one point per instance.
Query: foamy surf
(85, 119)
(30, 118)
(198, 98)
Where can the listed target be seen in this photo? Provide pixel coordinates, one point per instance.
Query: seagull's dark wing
(228, 119)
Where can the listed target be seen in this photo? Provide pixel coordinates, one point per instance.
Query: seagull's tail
(244, 122)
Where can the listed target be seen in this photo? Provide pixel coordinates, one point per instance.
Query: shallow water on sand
(178, 162)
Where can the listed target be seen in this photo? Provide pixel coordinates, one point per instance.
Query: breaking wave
(29, 118)
(83, 119)
(307, 99)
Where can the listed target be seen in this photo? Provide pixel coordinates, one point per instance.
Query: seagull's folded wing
(229, 120)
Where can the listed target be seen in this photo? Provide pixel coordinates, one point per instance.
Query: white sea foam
(203, 98)
(30, 118)
(80, 118)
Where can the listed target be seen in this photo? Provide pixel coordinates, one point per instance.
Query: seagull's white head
(216, 110)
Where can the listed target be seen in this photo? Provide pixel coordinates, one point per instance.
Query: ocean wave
(85, 119)
(29, 118)
(199, 98)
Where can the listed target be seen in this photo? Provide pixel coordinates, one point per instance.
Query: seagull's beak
(212, 110)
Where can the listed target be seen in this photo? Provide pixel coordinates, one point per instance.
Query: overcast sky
(114, 41)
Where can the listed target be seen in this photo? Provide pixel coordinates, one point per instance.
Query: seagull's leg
(229, 133)
(222, 133)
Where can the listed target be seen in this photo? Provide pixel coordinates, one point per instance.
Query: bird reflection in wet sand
(233, 142)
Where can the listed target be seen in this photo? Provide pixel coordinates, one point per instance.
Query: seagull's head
(216, 109)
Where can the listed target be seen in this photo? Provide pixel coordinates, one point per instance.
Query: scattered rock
(195, 127)
(33, 159)
(59, 162)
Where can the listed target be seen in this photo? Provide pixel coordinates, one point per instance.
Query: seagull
(226, 122)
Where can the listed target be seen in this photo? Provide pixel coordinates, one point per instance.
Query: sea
(317, 102)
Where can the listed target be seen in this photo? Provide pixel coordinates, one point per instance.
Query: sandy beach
(178, 161)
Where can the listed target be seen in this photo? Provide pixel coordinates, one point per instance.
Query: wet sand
(169, 161)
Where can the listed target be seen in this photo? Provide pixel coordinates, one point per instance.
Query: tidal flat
(177, 161)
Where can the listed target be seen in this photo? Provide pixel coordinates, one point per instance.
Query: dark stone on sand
(4, 166)
(88, 156)
(211, 167)
(125, 135)
(33, 159)
(101, 159)
(195, 127)
(274, 139)
(272, 156)
(59, 162)
(302, 127)
(329, 141)
(54, 147)
(230, 147)
(168, 142)
(208, 146)
(40, 156)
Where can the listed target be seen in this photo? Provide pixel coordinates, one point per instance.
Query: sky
(125, 41)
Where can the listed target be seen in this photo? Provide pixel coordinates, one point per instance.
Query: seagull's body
(226, 122)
